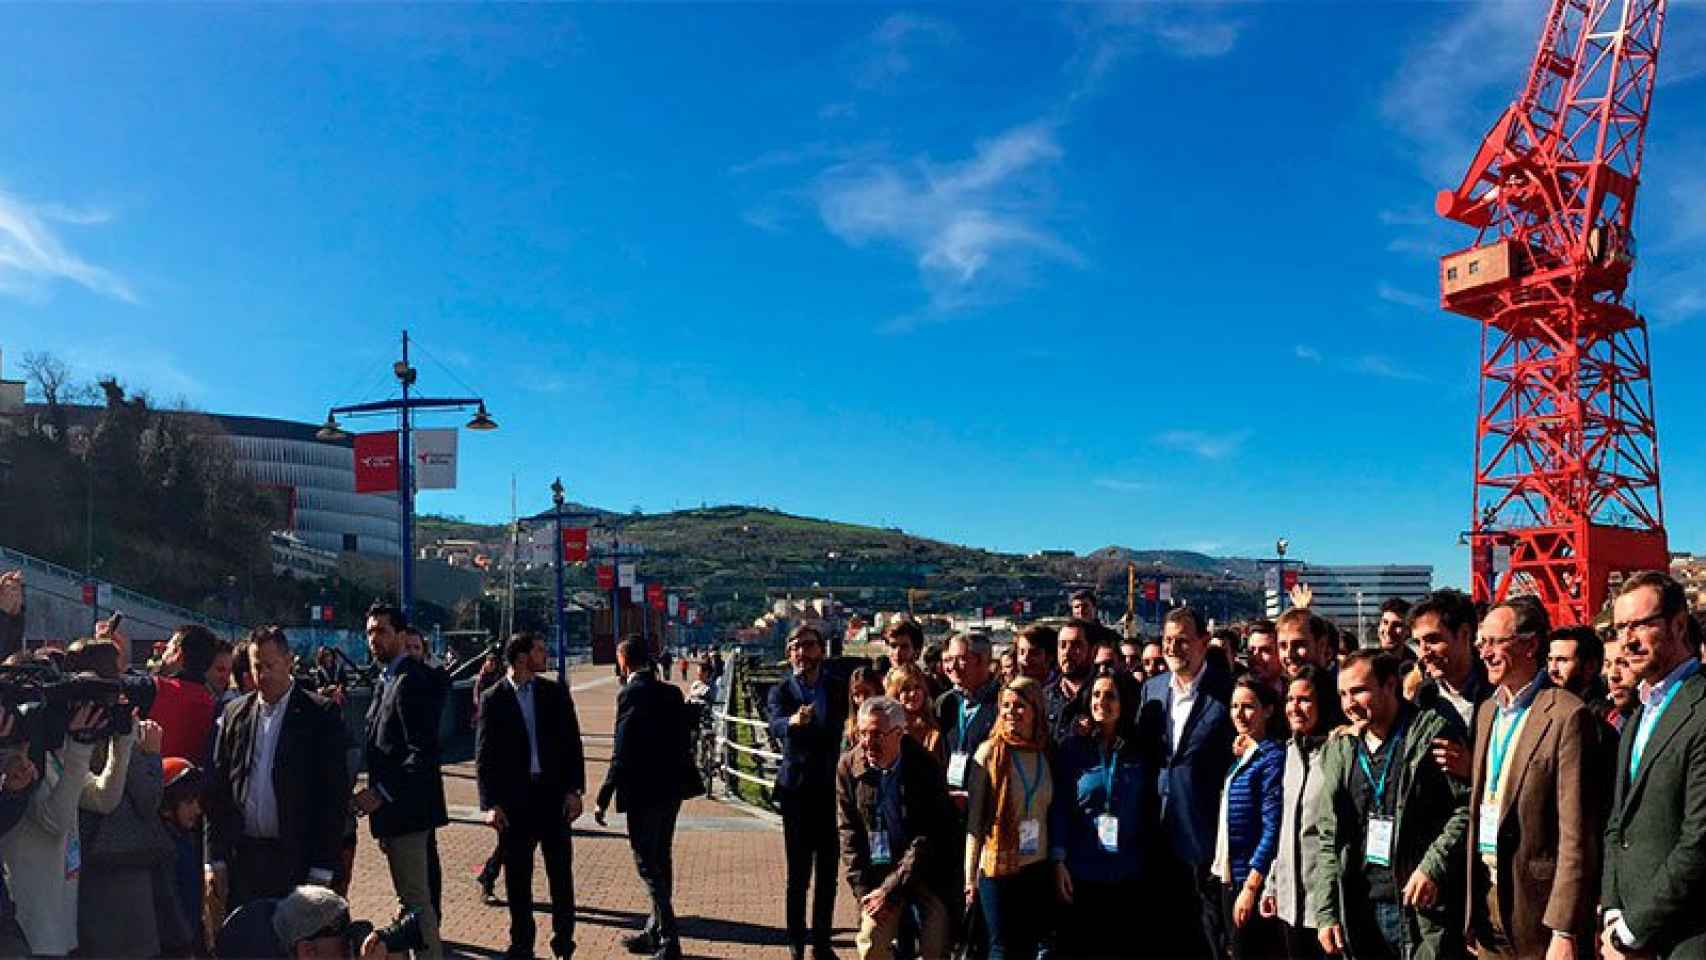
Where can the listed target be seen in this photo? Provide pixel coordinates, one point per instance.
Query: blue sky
(1017, 276)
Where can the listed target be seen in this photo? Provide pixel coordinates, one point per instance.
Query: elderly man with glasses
(900, 839)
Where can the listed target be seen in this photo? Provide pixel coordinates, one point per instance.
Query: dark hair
(386, 611)
(197, 643)
(1085, 594)
(1673, 599)
(635, 652)
(1220, 656)
(1085, 628)
(908, 629)
(1264, 693)
(1385, 664)
(800, 632)
(1589, 647)
(1105, 671)
(1187, 615)
(1041, 635)
(240, 666)
(1326, 701)
(1397, 605)
(1259, 626)
(1317, 625)
(270, 634)
(1453, 608)
(520, 645)
(931, 651)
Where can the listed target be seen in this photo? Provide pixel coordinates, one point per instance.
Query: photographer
(312, 921)
(122, 838)
(43, 853)
(11, 612)
(17, 775)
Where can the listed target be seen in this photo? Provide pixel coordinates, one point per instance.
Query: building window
(1451, 273)
(1474, 267)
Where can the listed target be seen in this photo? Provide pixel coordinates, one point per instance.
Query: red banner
(606, 577)
(376, 462)
(654, 595)
(574, 544)
(1151, 590)
(988, 610)
(326, 613)
(1290, 579)
(1018, 607)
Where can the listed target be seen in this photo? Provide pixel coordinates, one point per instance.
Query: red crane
(1566, 448)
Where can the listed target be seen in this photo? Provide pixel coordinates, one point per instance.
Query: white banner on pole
(1166, 591)
(637, 592)
(434, 454)
(674, 604)
(625, 575)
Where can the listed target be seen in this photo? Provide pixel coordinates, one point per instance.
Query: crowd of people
(1480, 782)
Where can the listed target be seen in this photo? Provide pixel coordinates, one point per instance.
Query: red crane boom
(1566, 447)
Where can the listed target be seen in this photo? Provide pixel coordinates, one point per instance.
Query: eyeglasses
(1645, 623)
(1503, 643)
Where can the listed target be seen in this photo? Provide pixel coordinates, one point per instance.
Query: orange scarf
(1003, 843)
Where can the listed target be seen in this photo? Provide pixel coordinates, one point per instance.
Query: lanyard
(1644, 732)
(1030, 783)
(1501, 746)
(1109, 763)
(965, 718)
(1389, 747)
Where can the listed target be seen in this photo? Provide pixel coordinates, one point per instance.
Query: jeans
(1389, 924)
(1016, 909)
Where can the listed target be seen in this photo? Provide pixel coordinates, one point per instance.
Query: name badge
(1108, 832)
(1379, 848)
(1030, 837)
(957, 770)
(880, 853)
(1487, 830)
(73, 856)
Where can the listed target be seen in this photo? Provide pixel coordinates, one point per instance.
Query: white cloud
(1110, 33)
(1307, 353)
(1209, 446)
(893, 45)
(1118, 485)
(972, 225)
(33, 258)
(1403, 298)
(1378, 366)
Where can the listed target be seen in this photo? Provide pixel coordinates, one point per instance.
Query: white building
(1342, 594)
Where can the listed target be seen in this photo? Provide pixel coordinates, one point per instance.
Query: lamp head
(331, 430)
(482, 420)
(557, 491)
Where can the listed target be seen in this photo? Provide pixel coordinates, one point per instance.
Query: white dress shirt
(1183, 700)
(524, 698)
(260, 803)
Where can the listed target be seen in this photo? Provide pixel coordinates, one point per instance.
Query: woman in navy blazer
(1248, 834)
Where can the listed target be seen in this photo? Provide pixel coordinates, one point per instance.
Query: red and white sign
(376, 462)
(1151, 590)
(1290, 579)
(606, 577)
(655, 596)
(434, 455)
(574, 544)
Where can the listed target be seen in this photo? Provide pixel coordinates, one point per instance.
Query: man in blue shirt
(808, 710)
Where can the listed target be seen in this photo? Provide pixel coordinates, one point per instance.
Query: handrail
(10, 557)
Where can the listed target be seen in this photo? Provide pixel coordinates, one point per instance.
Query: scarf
(1002, 848)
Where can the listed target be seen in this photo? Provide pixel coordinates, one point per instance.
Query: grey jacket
(1300, 835)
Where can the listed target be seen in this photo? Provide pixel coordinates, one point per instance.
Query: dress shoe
(671, 951)
(640, 943)
(488, 895)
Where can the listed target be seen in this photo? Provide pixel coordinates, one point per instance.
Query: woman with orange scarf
(1007, 848)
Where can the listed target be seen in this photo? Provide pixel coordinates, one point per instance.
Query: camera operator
(17, 775)
(312, 921)
(11, 612)
(43, 853)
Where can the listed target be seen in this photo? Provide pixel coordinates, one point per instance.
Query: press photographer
(312, 921)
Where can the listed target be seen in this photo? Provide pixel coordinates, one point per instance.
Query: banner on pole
(434, 454)
(674, 606)
(1166, 591)
(625, 576)
(376, 462)
(606, 577)
(1151, 590)
(654, 595)
(637, 593)
(574, 544)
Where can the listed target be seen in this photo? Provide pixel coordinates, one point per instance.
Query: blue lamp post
(562, 638)
(404, 408)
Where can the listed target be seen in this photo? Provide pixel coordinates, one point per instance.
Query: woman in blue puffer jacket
(1250, 811)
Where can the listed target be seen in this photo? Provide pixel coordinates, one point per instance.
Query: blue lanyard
(1502, 745)
(965, 718)
(1644, 732)
(1030, 783)
(1108, 768)
(1389, 747)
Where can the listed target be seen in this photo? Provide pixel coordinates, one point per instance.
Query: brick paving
(728, 868)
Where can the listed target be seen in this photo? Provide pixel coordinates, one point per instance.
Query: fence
(54, 608)
(745, 759)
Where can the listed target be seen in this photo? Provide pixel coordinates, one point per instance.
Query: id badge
(881, 855)
(73, 856)
(957, 770)
(1030, 837)
(1487, 830)
(1108, 832)
(1379, 849)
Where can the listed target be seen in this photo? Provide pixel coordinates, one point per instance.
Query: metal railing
(743, 761)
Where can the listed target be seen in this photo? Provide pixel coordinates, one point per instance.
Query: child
(177, 885)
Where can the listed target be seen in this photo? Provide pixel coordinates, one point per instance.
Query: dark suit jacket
(402, 751)
(978, 728)
(930, 860)
(310, 781)
(1655, 844)
(502, 758)
(1549, 830)
(1192, 771)
(651, 762)
(809, 752)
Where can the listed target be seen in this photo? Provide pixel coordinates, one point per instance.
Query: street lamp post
(404, 409)
(562, 638)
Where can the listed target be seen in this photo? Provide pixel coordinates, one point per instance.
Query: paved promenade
(728, 867)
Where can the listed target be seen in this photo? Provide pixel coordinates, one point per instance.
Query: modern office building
(1351, 596)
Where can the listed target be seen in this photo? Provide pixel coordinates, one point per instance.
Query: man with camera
(312, 921)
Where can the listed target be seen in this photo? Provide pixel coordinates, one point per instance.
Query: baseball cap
(309, 912)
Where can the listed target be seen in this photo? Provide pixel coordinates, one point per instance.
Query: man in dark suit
(1534, 808)
(1184, 720)
(531, 773)
(1655, 844)
(404, 796)
(808, 710)
(651, 771)
(277, 791)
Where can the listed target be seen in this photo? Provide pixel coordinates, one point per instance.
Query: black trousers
(1258, 938)
(1089, 930)
(1188, 891)
(494, 864)
(651, 835)
(539, 823)
(1301, 943)
(813, 847)
(258, 869)
(435, 874)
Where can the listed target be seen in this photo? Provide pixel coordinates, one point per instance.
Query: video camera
(401, 935)
(41, 698)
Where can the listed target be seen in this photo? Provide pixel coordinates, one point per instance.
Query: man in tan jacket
(1535, 807)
